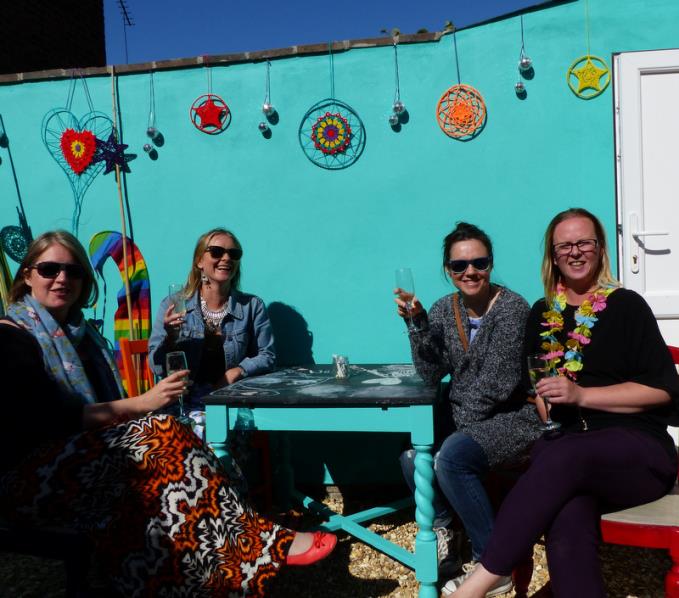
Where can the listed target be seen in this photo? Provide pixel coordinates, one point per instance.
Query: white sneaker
(444, 543)
(501, 586)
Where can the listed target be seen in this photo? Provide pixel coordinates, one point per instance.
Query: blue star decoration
(113, 153)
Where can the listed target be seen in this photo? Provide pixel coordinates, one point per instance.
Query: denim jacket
(246, 330)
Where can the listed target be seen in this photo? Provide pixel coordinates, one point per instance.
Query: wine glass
(175, 361)
(405, 282)
(538, 368)
(176, 292)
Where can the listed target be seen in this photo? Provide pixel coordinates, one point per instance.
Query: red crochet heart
(78, 148)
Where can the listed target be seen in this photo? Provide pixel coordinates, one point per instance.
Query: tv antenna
(127, 22)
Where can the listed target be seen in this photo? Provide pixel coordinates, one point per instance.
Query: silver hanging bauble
(519, 87)
(525, 63)
(393, 119)
(152, 132)
(398, 107)
(147, 148)
(263, 127)
(268, 109)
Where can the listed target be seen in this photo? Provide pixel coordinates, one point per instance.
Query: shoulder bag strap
(458, 321)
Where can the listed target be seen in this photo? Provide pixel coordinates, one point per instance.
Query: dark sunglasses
(217, 252)
(459, 266)
(52, 269)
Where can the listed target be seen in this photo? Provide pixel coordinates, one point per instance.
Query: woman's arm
(166, 392)
(160, 339)
(261, 345)
(627, 397)
(427, 345)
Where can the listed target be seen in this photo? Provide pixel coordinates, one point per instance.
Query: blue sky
(167, 29)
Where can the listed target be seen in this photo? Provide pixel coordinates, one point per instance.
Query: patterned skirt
(163, 515)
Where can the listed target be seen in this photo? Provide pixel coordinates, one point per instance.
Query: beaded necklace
(585, 318)
(213, 318)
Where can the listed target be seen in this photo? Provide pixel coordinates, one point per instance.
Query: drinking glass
(176, 292)
(538, 368)
(175, 361)
(405, 282)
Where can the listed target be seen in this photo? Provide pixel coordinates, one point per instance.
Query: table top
(316, 386)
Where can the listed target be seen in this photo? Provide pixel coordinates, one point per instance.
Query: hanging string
(267, 86)
(332, 70)
(209, 74)
(587, 24)
(457, 61)
(523, 45)
(397, 95)
(152, 102)
(71, 90)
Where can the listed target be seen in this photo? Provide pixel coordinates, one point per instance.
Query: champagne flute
(538, 368)
(405, 282)
(175, 361)
(176, 292)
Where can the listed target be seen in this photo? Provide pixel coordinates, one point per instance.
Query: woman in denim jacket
(225, 334)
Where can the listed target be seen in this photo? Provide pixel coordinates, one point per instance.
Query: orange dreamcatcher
(461, 111)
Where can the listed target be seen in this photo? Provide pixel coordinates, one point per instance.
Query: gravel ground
(355, 570)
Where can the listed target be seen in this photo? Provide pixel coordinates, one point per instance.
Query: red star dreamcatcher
(209, 113)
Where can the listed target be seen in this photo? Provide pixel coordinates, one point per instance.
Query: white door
(646, 92)
(647, 147)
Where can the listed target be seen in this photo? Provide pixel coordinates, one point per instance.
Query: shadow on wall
(292, 336)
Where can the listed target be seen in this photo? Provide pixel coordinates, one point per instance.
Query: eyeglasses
(216, 252)
(459, 266)
(583, 245)
(52, 269)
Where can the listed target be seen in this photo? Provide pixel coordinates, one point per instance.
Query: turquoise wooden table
(375, 398)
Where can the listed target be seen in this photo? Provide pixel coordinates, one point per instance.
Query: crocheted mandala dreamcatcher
(331, 134)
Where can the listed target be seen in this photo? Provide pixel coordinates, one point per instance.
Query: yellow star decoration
(589, 76)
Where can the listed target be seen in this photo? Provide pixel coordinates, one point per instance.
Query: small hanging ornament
(209, 113)
(588, 76)
(525, 66)
(152, 131)
(398, 108)
(331, 134)
(461, 111)
(268, 108)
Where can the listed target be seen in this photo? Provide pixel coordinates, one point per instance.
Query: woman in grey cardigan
(475, 336)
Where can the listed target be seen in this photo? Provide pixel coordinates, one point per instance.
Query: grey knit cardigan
(486, 401)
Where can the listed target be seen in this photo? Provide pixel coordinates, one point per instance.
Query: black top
(626, 346)
(35, 411)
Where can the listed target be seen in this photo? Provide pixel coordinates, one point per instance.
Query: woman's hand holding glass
(173, 321)
(560, 390)
(169, 390)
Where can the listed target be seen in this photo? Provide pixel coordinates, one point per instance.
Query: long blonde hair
(89, 292)
(193, 282)
(551, 275)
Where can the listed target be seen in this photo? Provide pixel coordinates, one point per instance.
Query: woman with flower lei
(615, 394)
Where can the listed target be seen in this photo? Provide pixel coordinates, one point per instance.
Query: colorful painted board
(109, 244)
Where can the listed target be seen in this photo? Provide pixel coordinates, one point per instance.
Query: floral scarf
(59, 350)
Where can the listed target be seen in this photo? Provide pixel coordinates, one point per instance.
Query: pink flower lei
(585, 318)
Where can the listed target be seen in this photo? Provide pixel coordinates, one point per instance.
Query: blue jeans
(460, 466)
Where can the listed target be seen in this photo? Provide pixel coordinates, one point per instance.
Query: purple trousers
(574, 478)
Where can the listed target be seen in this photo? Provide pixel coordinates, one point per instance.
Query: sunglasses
(52, 269)
(459, 266)
(217, 252)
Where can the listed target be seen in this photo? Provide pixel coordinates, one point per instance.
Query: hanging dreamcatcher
(331, 134)
(589, 75)
(461, 111)
(14, 239)
(82, 147)
(209, 113)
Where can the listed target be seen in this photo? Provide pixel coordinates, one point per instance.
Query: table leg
(425, 542)
(284, 475)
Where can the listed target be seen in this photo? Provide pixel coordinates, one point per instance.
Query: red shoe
(322, 545)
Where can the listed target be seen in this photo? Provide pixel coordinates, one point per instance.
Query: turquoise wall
(327, 243)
